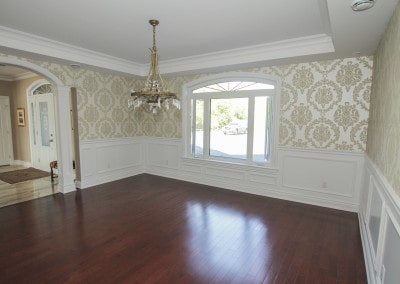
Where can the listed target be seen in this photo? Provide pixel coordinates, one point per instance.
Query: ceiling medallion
(154, 93)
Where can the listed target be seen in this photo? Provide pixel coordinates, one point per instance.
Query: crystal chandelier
(154, 92)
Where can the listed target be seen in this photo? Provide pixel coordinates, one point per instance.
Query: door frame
(62, 115)
(10, 143)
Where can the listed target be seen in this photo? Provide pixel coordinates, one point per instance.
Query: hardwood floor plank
(149, 229)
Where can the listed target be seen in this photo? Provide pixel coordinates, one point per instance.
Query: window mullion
(193, 128)
(270, 119)
(206, 128)
(250, 129)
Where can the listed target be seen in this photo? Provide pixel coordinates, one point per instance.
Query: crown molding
(303, 46)
(15, 39)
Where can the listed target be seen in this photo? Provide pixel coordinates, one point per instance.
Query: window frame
(189, 96)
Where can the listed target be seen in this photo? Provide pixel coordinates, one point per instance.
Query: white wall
(379, 216)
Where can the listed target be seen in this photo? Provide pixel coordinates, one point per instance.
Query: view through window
(232, 121)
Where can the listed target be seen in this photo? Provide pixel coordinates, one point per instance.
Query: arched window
(43, 89)
(233, 118)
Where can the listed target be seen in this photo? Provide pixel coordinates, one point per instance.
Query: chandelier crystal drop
(154, 92)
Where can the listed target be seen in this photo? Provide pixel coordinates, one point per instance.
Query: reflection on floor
(23, 191)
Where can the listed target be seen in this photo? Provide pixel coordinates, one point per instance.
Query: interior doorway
(43, 141)
(66, 181)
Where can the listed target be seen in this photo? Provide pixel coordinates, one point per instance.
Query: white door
(6, 146)
(42, 125)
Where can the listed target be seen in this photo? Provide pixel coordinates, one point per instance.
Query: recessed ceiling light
(361, 5)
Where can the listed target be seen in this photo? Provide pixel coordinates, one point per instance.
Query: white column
(64, 150)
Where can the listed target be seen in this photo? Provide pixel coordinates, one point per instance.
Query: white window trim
(32, 87)
(187, 95)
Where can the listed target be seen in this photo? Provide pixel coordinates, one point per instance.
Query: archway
(62, 116)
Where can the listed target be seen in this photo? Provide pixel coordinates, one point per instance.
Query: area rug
(22, 175)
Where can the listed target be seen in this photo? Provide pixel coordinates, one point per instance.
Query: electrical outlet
(324, 184)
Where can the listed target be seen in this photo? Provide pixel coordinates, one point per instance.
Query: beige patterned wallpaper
(323, 104)
(383, 146)
(102, 101)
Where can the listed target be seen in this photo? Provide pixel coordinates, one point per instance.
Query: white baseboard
(22, 163)
(109, 177)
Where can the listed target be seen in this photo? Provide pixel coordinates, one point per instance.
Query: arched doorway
(62, 120)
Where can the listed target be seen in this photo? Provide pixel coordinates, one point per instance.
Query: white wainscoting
(325, 178)
(379, 216)
(110, 159)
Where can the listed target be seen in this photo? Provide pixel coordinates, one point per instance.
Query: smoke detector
(361, 5)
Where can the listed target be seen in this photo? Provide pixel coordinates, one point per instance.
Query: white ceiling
(12, 73)
(193, 36)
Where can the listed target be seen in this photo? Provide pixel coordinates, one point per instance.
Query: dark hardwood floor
(148, 229)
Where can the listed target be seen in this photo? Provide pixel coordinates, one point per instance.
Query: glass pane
(199, 128)
(228, 134)
(43, 89)
(44, 123)
(33, 124)
(234, 86)
(262, 120)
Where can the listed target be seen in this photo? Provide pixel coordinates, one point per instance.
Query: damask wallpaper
(324, 104)
(102, 101)
(383, 146)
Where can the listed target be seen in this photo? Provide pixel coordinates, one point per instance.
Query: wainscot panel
(379, 216)
(110, 159)
(319, 177)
